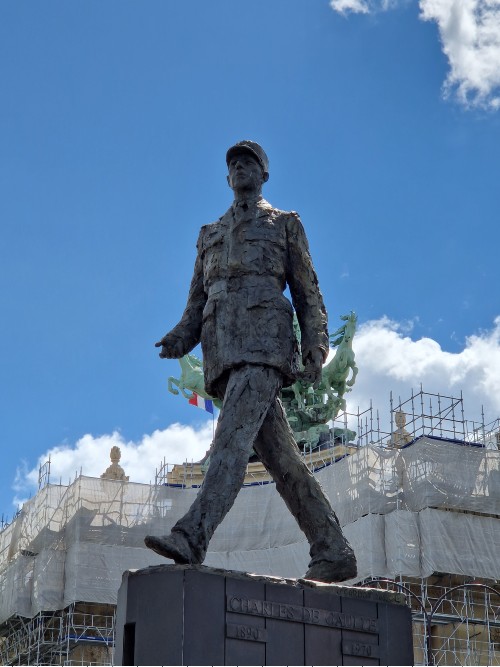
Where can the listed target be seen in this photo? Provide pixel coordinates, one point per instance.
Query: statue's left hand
(313, 364)
(172, 347)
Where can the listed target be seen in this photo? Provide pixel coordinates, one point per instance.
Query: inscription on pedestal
(360, 649)
(299, 614)
(250, 633)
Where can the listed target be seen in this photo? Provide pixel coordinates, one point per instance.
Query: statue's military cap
(251, 147)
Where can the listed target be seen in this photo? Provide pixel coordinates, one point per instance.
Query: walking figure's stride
(237, 309)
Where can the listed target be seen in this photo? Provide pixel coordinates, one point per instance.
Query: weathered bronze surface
(237, 309)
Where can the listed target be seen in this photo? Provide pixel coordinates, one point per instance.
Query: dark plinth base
(195, 615)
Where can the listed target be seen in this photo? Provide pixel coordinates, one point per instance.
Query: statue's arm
(306, 297)
(186, 334)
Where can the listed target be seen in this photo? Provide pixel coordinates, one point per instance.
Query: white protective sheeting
(459, 543)
(16, 582)
(442, 474)
(402, 544)
(48, 581)
(73, 542)
(94, 571)
(366, 536)
(367, 482)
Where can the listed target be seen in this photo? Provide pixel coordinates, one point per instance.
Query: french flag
(203, 403)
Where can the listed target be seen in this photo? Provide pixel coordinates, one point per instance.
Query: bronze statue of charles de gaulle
(237, 309)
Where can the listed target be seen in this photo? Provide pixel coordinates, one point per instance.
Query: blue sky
(382, 130)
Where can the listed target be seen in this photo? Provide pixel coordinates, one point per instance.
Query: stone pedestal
(196, 615)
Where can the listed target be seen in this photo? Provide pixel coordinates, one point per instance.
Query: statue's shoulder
(291, 220)
(210, 232)
(294, 228)
(293, 217)
(216, 224)
(279, 213)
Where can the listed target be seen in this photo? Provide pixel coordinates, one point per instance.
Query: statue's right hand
(172, 347)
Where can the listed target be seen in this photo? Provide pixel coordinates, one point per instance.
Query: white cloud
(389, 360)
(346, 6)
(470, 36)
(90, 455)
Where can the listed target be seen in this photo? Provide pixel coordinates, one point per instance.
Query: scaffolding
(456, 621)
(425, 414)
(417, 494)
(67, 637)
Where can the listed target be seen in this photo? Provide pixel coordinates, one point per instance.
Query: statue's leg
(332, 558)
(249, 393)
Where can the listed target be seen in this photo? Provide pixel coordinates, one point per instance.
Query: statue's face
(245, 173)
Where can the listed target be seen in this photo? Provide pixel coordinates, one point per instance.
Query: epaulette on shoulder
(288, 214)
(293, 216)
(210, 225)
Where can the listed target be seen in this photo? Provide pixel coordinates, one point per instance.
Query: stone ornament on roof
(115, 471)
(400, 437)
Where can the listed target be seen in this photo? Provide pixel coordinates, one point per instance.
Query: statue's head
(248, 167)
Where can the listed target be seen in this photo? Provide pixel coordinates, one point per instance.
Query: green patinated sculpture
(306, 408)
(335, 374)
(191, 380)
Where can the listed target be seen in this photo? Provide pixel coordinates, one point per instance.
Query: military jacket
(236, 305)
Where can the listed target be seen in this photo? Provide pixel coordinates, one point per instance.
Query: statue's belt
(246, 282)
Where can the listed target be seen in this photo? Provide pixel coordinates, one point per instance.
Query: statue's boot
(333, 571)
(332, 558)
(174, 546)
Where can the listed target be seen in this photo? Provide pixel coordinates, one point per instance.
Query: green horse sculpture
(334, 378)
(191, 380)
(307, 410)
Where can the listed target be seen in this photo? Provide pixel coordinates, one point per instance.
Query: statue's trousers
(252, 415)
